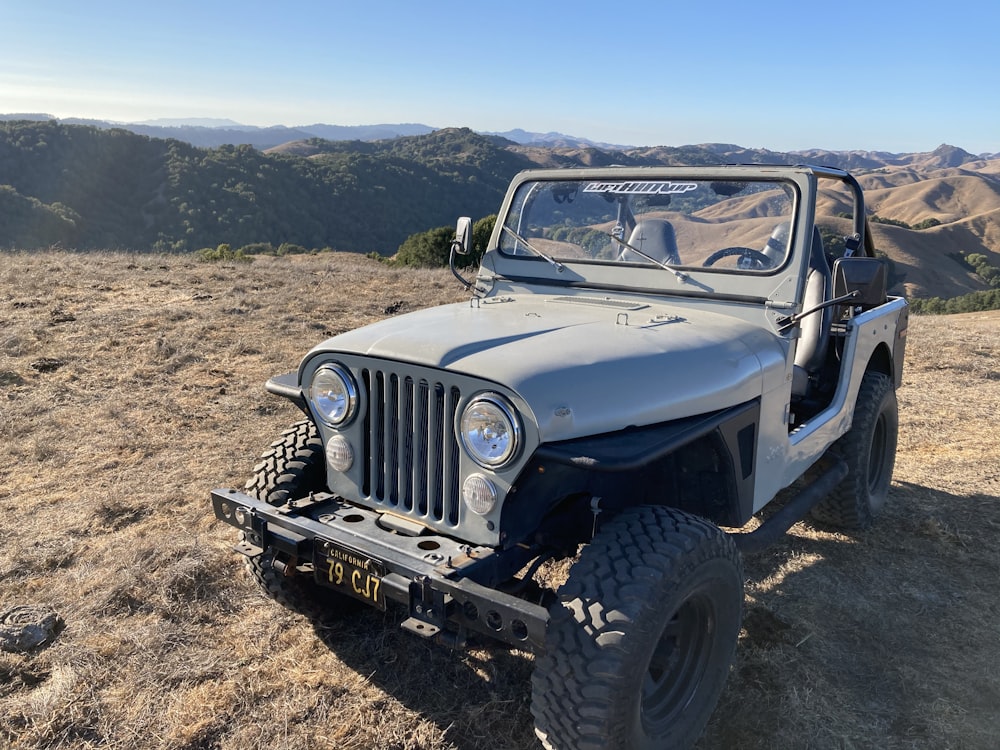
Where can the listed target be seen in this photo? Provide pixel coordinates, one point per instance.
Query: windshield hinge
(774, 304)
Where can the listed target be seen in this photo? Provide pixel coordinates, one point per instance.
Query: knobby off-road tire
(641, 639)
(869, 448)
(291, 468)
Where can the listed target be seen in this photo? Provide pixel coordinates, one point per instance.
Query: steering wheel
(750, 259)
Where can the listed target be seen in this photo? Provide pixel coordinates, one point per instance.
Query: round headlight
(333, 395)
(490, 430)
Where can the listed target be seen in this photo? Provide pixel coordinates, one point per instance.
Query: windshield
(729, 226)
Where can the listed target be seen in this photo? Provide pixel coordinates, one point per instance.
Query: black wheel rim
(876, 455)
(677, 664)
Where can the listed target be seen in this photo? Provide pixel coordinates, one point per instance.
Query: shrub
(876, 219)
(258, 248)
(221, 253)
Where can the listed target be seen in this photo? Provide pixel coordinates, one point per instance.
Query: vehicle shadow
(478, 696)
(874, 638)
(838, 628)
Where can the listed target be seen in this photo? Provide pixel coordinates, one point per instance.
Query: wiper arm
(555, 263)
(681, 276)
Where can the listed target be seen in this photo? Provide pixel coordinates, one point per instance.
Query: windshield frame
(781, 289)
(609, 221)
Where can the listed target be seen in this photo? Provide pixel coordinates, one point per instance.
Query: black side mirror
(863, 277)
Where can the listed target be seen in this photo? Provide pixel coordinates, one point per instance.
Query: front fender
(702, 464)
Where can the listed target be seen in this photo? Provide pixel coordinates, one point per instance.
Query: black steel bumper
(359, 553)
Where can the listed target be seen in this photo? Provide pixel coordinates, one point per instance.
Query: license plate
(350, 572)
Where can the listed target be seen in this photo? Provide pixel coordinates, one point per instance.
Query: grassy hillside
(966, 204)
(131, 385)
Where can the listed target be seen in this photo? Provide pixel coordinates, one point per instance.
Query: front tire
(640, 641)
(869, 448)
(291, 468)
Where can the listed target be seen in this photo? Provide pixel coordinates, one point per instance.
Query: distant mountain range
(212, 133)
(366, 189)
(207, 132)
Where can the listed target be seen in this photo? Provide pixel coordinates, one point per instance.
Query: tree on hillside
(26, 222)
(432, 248)
(987, 272)
(972, 302)
(426, 249)
(481, 232)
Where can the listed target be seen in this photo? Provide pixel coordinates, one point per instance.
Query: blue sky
(781, 75)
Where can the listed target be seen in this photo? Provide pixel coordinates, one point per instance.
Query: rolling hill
(89, 188)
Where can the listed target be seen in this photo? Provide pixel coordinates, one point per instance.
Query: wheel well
(881, 361)
(702, 465)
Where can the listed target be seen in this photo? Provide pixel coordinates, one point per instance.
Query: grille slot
(412, 451)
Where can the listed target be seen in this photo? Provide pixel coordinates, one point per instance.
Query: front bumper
(359, 553)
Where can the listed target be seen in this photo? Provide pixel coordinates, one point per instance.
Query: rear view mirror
(728, 189)
(864, 276)
(463, 236)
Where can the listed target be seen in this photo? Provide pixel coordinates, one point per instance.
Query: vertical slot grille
(412, 466)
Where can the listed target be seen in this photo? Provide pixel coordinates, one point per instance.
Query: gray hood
(580, 366)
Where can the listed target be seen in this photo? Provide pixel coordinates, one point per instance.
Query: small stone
(59, 315)
(24, 627)
(47, 364)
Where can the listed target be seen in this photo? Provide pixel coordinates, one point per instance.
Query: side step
(775, 527)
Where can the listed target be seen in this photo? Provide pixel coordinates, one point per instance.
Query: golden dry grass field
(131, 385)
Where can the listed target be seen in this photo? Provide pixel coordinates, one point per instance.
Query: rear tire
(640, 642)
(869, 448)
(291, 468)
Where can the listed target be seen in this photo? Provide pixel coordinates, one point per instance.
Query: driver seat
(655, 237)
(814, 329)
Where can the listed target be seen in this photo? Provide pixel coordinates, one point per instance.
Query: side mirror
(461, 245)
(861, 276)
(463, 236)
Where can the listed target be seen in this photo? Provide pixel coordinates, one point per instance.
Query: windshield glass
(729, 226)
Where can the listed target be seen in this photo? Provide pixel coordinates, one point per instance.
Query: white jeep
(648, 357)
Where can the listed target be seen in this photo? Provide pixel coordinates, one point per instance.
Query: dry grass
(131, 385)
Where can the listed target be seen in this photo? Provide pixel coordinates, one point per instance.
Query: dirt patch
(883, 639)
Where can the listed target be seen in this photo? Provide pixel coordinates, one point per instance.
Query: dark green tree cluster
(26, 221)
(432, 248)
(876, 219)
(84, 188)
(984, 269)
(88, 187)
(925, 224)
(972, 302)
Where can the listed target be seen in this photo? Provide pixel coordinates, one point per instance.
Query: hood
(585, 366)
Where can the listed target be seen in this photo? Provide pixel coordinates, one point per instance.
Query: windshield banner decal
(641, 188)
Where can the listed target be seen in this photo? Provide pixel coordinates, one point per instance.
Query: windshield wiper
(555, 264)
(681, 276)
